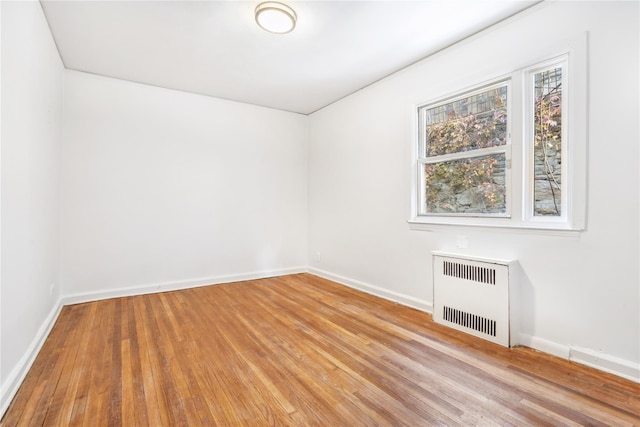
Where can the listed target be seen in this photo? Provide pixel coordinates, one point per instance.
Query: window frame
(574, 149)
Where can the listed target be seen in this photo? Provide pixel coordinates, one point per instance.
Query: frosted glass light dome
(275, 17)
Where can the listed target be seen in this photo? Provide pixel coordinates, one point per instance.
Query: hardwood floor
(297, 350)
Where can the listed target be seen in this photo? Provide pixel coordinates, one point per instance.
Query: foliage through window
(464, 147)
(548, 142)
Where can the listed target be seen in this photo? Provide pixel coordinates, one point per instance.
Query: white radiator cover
(475, 295)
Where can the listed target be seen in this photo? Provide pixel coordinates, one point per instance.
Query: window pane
(476, 121)
(548, 142)
(473, 185)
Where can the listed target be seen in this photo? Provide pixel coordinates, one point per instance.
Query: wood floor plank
(296, 351)
(154, 397)
(75, 398)
(65, 372)
(96, 412)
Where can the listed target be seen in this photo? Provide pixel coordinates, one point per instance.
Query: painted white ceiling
(215, 47)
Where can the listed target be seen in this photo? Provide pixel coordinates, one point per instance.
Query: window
(464, 152)
(547, 142)
(507, 153)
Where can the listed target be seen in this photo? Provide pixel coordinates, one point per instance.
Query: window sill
(560, 230)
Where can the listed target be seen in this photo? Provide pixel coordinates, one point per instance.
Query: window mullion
(464, 154)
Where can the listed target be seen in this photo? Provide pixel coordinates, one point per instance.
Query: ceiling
(215, 48)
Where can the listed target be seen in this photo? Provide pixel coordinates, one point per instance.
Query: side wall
(580, 294)
(31, 109)
(163, 189)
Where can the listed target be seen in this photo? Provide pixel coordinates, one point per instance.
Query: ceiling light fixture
(275, 17)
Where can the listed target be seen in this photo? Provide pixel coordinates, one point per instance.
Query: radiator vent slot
(468, 320)
(472, 294)
(470, 272)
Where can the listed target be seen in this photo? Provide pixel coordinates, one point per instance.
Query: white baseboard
(407, 300)
(176, 285)
(13, 382)
(543, 345)
(604, 362)
(594, 359)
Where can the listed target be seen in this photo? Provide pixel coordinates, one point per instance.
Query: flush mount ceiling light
(275, 17)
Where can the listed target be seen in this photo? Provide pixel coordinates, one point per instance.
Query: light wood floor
(297, 350)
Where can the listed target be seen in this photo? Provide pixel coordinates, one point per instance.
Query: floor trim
(153, 288)
(407, 300)
(543, 345)
(605, 362)
(16, 377)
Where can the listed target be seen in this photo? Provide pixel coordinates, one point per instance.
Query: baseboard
(543, 345)
(153, 288)
(604, 362)
(597, 360)
(407, 300)
(16, 377)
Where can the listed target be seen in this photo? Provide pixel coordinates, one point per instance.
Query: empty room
(327, 213)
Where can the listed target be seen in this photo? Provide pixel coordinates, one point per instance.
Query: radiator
(472, 294)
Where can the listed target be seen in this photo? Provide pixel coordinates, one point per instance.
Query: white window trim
(574, 147)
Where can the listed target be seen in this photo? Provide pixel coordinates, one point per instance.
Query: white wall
(31, 108)
(580, 294)
(170, 189)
